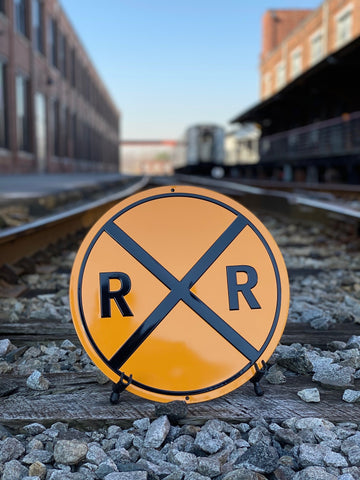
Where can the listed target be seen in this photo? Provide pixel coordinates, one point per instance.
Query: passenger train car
(202, 150)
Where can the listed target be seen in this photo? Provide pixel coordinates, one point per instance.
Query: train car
(203, 150)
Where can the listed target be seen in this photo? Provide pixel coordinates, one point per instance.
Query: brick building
(309, 109)
(295, 40)
(55, 113)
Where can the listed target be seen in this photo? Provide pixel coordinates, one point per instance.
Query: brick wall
(293, 34)
(88, 127)
(277, 25)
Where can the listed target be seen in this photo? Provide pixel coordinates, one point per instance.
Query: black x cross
(180, 290)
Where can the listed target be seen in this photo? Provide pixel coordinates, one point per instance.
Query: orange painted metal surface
(182, 288)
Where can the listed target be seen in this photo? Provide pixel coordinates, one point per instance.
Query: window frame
(267, 84)
(40, 123)
(55, 127)
(3, 7)
(21, 17)
(4, 136)
(317, 34)
(346, 12)
(22, 121)
(62, 53)
(53, 50)
(296, 52)
(280, 68)
(38, 26)
(73, 57)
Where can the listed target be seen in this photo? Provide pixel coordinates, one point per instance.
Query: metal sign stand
(122, 384)
(119, 387)
(256, 379)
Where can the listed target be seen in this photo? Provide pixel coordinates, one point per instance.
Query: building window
(67, 143)
(343, 26)
(296, 62)
(63, 131)
(3, 122)
(55, 127)
(40, 129)
(20, 16)
(74, 136)
(80, 78)
(280, 74)
(62, 54)
(87, 86)
(316, 47)
(22, 112)
(37, 24)
(267, 84)
(53, 42)
(2, 6)
(73, 67)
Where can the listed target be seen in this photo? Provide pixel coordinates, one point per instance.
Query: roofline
(328, 60)
(299, 26)
(91, 63)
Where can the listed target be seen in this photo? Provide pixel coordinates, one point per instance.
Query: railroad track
(317, 351)
(334, 189)
(290, 204)
(26, 239)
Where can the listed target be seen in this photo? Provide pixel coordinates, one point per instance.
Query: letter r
(245, 288)
(118, 295)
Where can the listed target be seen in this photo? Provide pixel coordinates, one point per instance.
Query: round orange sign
(182, 289)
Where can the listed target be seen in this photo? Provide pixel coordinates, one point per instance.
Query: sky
(169, 64)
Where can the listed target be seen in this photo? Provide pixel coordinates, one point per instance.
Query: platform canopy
(328, 89)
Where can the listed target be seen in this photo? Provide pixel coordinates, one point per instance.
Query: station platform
(26, 197)
(21, 187)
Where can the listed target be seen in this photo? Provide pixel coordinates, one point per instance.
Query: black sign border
(249, 364)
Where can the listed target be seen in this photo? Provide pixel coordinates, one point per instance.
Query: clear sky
(171, 63)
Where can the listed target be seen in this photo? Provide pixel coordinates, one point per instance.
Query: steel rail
(293, 205)
(27, 239)
(345, 190)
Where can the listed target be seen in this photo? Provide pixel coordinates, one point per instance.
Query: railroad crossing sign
(181, 288)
